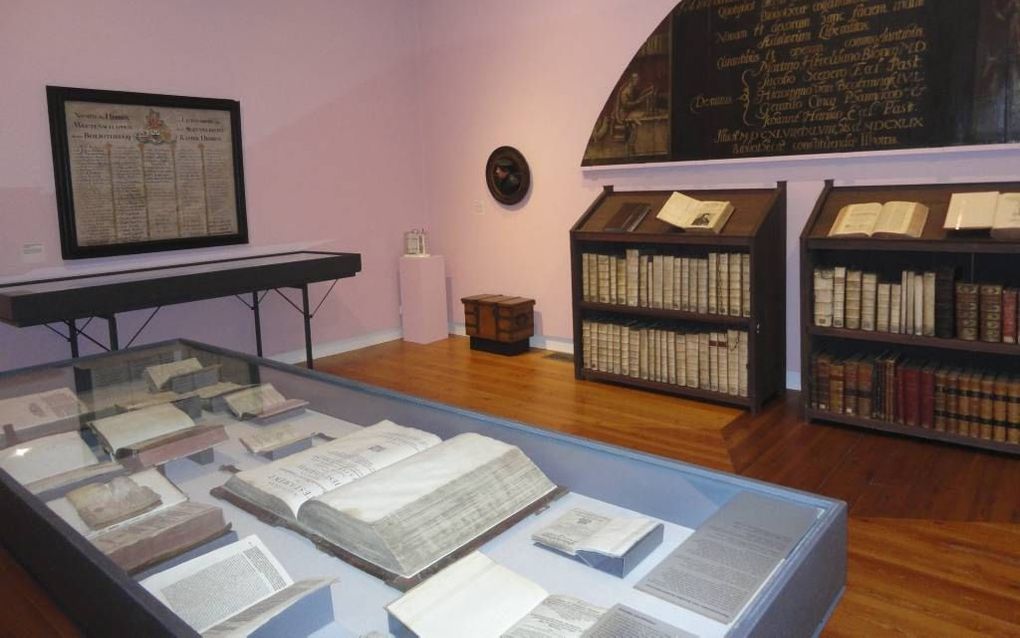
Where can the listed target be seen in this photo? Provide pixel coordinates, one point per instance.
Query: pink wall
(331, 131)
(557, 64)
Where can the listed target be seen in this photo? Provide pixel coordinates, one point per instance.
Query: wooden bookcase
(976, 259)
(757, 227)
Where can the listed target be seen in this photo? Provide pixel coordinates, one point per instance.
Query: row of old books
(918, 393)
(718, 284)
(923, 303)
(715, 361)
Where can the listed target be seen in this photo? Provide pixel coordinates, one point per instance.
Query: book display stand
(741, 302)
(947, 370)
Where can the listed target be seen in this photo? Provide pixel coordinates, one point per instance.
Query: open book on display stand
(612, 545)
(395, 501)
(241, 590)
(155, 435)
(694, 215)
(181, 376)
(31, 416)
(991, 211)
(262, 403)
(872, 219)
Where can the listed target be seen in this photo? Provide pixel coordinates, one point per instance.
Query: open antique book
(478, 598)
(31, 416)
(230, 591)
(989, 210)
(397, 498)
(872, 219)
(695, 215)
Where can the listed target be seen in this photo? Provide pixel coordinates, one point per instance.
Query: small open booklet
(593, 538)
(695, 215)
(230, 591)
(478, 598)
(261, 402)
(872, 219)
(987, 210)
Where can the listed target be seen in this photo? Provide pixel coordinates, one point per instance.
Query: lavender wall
(331, 127)
(534, 75)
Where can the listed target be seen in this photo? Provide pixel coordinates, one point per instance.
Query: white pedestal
(423, 298)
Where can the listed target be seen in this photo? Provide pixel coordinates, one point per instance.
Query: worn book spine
(736, 292)
(621, 280)
(724, 362)
(657, 281)
(1009, 310)
(1013, 411)
(823, 293)
(894, 309)
(668, 280)
(614, 292)
(893, 366)
(745, 283)
(585, 343)
(724, 283)
(822, 380)
(603, 278)
(910, 394)
(908, 301)
(987, 390)
(882, 310)
(836, 383)
(952, 391)
(733, 362)
(743, 387)
(713, 361)
(928, 305)
(967, 315)
(918, 303)
(703, 286)
(963, 396)
(852, 304)
(869, 294)
(991, 313)
(633, 257)
(850, 395)
(703, 361)
(681, 359)
(1000, 402)
(713, 283)
(671, 357)
(838, 297)
(926, 392)
(585, 277)
(939, 400)
(865, 386)
(691, 342)
(685, 284)
(944, 302)
(812, 380)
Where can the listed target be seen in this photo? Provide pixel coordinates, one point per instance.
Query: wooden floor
(934, 529)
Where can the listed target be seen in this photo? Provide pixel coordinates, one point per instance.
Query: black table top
(29, 303)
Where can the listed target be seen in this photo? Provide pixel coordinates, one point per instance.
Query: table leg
(111, 323)
(308, 326)
(258, 322)
(72, 336)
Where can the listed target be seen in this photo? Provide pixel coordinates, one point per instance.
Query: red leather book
(1009, 308)
(926, 409)
(865, 387)
(909, 383)
(941, 404)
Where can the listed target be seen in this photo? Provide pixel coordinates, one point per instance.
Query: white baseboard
(343, 345)
(556, 344)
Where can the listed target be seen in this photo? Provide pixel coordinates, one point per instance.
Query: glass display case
(102, 455)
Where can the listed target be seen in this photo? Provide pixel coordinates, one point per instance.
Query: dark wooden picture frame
(507, 175)
(114, 125)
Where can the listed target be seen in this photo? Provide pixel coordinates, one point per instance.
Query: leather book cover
(836, 369)
(939, 400)
(991, 313)
(987, 414)
(952, 401)
(963, 398)
(966, 311)
(1013, 411)
(850, 392)
(878, 392)
(824, 360)
(909, 385)
(865, 386)
(944, 301)
(813, 381)
(1009, 309)
(926, 397)
(892, 373)
(1000, 400)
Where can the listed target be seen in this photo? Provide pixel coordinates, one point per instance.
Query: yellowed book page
(678, 210)
(971, 211)
(901, 218)
(47, 456)
(1007, 214)
(710, 216)
(856, 219)
(130, 428)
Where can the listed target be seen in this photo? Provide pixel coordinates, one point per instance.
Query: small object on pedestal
(499, 323)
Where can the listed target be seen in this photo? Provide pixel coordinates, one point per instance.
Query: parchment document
(254, 401)
(209, 589)
(556, 617)
(141, 173)
(717, 570)
(623, 622)
(30, 410)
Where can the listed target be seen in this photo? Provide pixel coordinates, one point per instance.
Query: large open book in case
(662, 307)
(391, 492)
(915, 335)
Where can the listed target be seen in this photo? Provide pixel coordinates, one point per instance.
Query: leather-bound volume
(813, 381)
(939, 400)
(823, 279)
(824, 361)
(967, 311)
(865, 385)
(991, 313)
(909, 391)
(1009, 309)
(963, 400)
(1000, 401)
(987, 413)
(850, 392)
(944, 301)
(952, 401)
(926, 397)
(836, 369)
(1013, 411)
(891, 368)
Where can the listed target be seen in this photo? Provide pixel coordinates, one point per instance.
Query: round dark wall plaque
(507, 175)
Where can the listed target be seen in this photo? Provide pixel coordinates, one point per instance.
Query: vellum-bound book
(612, 545)
(872, 219)
(395, 500)
(694, 215)
(261, 402)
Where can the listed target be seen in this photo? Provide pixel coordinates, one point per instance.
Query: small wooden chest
(499, 323)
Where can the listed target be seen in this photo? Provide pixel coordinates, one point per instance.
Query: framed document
(137, 172)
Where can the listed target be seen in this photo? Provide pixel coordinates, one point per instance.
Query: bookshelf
(937, 404)
(755, 235)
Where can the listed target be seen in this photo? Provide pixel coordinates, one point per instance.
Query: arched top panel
(724, 79)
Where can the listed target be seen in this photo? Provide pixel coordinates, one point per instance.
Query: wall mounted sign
(765, 78)
(507, 175)
(137, 172)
